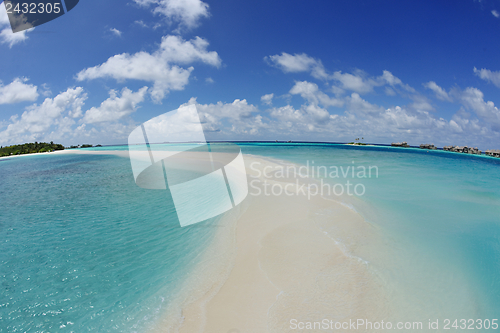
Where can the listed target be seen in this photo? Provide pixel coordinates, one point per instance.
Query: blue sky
(415, 71)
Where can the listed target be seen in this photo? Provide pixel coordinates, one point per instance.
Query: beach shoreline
(269, 255)
(278, 252)
(277, 260)
(122, 153)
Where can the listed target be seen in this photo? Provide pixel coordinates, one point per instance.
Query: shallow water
(439, 214)
(82, 248)
(85, 249)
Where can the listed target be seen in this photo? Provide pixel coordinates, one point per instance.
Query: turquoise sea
(83, 249)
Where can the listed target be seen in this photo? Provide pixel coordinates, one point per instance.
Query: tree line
(30, 148)
(37, 147)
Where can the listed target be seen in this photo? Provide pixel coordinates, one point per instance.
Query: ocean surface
(83, 249)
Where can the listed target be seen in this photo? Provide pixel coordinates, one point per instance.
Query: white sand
(280, 265)
(122, 153)
(272, 262)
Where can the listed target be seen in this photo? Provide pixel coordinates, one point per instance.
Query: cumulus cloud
(420, 103)
(185, 12)
(489, 76)
(18, 91)
(389, 91)
(473, 99)
(388, 78)
(357, 105)
(311, 93)
(61, 119)
(360, 82)
(36, 121)
(319, 118)
(360, 118)
(356, 82)
(157, 67)
(141, 23)
(376, 124)
(115, 107)
(287, 114)
(6, 34)
(495, 13)
(440, 92)
(240, 114)
(267, 99)
(298, 63)
(313, 112)
(116, 32)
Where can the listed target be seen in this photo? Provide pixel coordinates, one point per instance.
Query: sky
(385, 71)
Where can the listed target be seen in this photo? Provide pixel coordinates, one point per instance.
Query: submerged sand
(281, 267)
(272, 265)
(280, 261)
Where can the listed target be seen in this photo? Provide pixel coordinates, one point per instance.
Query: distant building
(400, 144)
(463, 150)
(493, 152)
(427, 146)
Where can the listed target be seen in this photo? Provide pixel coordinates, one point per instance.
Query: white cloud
(357, 105)
(495, 13)
(310, 92)
(56, 119)
(298, 63)
(239, 113)
(361, 83)
(489, 76)
(209, 80)
(35, 122)
(17, 91)
(356, 82)
(389, 91)
(156, 67)
(115, 107)
(116, 32)
(312, 112)
(267, 99)
(420, 103)
(287, 114)
(375, 124)
(473, 99)
(6, 34)
(237, 110)
(388, 78)
(186, 12)
(141, 23)
(317, 120)
(440, 92)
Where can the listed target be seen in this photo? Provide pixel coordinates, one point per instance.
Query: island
(30, 148)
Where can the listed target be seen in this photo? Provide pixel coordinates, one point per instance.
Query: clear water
(82, 248)
(440, 215)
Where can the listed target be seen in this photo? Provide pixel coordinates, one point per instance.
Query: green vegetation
(30, 148)
(358, 142)
(83, 146)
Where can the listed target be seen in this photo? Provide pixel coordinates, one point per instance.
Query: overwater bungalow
(427, 146)
(493, 152)
(400, 144)
(463, 149)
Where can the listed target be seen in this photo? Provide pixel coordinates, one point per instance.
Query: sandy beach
(280, 267)
(290, 259)
(122, 153)
(272, 266)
